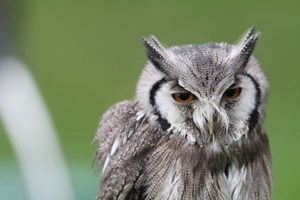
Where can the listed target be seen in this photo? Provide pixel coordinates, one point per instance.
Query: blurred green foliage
(87, 55)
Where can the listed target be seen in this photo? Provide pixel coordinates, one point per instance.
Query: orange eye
(184, 97)
(232, 93)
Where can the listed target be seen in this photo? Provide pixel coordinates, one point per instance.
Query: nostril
(226, 170)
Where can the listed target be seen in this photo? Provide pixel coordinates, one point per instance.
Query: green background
(86, 55)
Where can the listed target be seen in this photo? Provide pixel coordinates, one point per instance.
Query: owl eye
(184, 97)
(232, 93)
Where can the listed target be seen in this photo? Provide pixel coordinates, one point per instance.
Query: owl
(194, 130)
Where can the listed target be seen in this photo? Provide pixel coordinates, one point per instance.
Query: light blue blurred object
(31, 132)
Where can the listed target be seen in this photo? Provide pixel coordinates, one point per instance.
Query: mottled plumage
(194, 131)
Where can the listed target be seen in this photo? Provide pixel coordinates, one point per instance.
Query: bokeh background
(86, 55)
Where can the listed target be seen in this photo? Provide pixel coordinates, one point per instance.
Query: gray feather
(214, 147)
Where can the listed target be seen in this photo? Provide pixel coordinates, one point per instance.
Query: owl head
(215, 92)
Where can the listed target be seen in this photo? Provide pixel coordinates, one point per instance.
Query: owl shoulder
(112, 126)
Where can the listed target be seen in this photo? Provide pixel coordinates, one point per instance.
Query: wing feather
(126, 137)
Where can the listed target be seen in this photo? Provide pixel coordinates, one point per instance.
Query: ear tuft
(162, 58)
(154, 51)
(247, 44)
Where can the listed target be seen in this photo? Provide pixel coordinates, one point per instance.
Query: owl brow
(236, 82)
(176, 86)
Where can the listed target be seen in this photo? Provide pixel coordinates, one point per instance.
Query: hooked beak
(210, 126)
(208, 115)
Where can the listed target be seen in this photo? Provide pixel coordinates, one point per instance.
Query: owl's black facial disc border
(165, 125)
(254, 116)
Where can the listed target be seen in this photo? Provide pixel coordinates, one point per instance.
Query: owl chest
(173, 176)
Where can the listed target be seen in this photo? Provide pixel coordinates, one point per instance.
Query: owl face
(204, 93)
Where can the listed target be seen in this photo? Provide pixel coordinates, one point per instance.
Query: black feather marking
(248, 43)
(163, 122)
(248, 49)
(154, 89)
(251, 31)
(165, 125)
(254, 116)
(153, 54)
(226, 170)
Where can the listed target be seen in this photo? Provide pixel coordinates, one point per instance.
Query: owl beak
(203, 117)
(210, 127)
(207, 116)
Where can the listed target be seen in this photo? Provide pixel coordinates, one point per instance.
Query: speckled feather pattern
(154, 148)
(149, 161)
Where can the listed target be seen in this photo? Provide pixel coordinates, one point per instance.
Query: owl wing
(126, 137)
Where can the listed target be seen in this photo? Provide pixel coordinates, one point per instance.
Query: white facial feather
(246, 102)
(167, 107)
(148, 78)
(203, 116)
